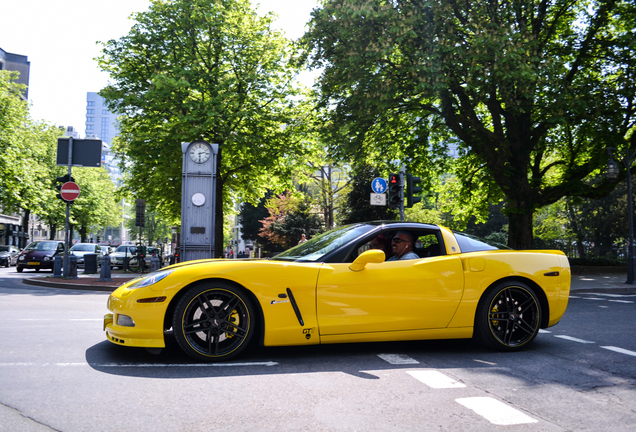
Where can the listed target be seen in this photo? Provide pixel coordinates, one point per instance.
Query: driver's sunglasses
(398, 240)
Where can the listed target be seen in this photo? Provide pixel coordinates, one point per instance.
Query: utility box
(198, 200)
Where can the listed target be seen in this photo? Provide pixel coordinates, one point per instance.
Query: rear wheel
(508, 316)
(214, 321)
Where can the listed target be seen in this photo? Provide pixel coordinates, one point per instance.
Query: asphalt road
(57, 372)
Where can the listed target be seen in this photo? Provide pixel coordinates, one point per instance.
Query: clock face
(198, 199)
(199, 153)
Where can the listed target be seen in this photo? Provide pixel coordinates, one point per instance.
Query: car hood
(38, 254)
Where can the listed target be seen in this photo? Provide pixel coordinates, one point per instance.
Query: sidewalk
(584, 279)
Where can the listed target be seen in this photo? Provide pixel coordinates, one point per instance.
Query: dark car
(39, 255)
(9, 255)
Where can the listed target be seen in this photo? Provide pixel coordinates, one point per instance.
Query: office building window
(90, 103)
(90, 111)
(90, 119)
(105, 112)
(89, 127)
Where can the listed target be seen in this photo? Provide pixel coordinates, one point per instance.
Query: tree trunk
(520, 229)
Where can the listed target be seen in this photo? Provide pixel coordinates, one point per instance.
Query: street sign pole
(402, 176)
(66, 262)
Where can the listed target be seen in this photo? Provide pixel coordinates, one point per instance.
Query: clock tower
(198, 199)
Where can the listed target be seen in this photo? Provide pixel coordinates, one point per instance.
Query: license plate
(34, 263)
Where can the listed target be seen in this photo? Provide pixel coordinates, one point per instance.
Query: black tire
(508, 316)
(37, 269)
(19, 269)
(214, 321)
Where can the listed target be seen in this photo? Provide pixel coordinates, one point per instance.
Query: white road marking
(398, 359)
(593, 298)
(60, 319)
(544, 331)
(621, 301)
(141, 365)
(483, 361)
(615, 295)
(573, 339)
(495, 412)
(574, 296)
(620, 350)
(435, 379)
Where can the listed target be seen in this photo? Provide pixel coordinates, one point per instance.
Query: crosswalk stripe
(495, 412)
(398, 359)
(435, 379)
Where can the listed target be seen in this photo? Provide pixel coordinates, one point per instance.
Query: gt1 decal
(278, 301)
(308, 332)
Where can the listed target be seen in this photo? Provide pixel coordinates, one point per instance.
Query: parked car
(152, 251)
(39, 255)
(425, 282)
(81, 249)
(9, 255)
(122, 253)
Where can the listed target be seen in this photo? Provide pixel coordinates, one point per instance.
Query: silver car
(81, 249)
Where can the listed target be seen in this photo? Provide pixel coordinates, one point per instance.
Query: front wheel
(508, 316)
(18, 268)
(214, 321)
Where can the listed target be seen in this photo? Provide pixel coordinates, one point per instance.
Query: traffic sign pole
(66, 262)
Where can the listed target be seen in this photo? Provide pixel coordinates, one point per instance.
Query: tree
(290, 216)
(204, 69)
(533, 90)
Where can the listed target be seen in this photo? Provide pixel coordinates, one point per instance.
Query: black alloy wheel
(508, 317)
(213, 321)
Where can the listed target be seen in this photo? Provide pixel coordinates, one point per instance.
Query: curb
(75, 286)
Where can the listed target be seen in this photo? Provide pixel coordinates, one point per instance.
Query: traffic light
(412, 188)
(59, 182)
(140, 213)
(395, 189)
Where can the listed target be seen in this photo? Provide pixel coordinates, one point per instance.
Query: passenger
(402, 245)
(382, 243)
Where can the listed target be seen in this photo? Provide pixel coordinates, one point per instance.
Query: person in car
(402, 246)
(382, 243)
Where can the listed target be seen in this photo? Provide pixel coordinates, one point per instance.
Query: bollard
(90, 263)
(72, 268)
(155, 264)
(104, 274)
(57, 266)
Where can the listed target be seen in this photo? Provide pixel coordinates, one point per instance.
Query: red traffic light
(393, 179)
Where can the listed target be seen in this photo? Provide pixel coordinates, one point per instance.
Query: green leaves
(203, 69)
(534, 91)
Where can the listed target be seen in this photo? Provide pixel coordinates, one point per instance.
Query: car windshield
(126, 249)
(319, 246)
(83, 247)
(4, 248)
(47, 246)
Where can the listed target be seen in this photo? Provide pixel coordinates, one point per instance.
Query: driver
(402, 246)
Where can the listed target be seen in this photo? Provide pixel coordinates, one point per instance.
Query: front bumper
(143, 322)
(32, 264)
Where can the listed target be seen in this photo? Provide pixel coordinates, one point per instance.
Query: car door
(390, 296)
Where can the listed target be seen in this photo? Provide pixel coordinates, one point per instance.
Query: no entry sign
(70, 191)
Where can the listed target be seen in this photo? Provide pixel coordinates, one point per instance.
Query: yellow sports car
(377, 281)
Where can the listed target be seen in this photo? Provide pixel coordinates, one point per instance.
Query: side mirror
(375, 256)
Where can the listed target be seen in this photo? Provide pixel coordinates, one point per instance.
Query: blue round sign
(378, 185)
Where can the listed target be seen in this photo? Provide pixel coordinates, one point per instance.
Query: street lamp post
(612, 173)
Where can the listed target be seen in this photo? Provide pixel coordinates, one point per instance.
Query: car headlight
(151, 279)
(21, 258)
